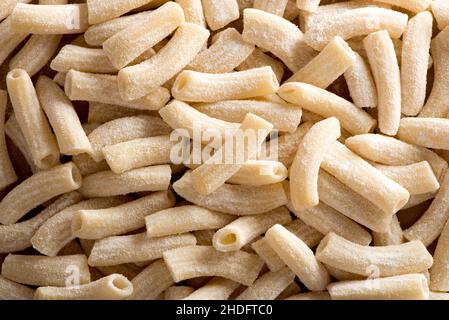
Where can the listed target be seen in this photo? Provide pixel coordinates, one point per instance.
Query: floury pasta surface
(210, 149)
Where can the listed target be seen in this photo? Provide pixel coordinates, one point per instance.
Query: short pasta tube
(439, 275)
(215, 289)
(414, 6)
(275, 7)
(260, 173)
(7, 6)
(9, 38)
(199, 261)
(425, 132)
(193, 11)
(440, 10)
(10, 290)
(387, 261)
(220, 13)
(7, 173)
(151, 281)
(101, 11)
(242, 231)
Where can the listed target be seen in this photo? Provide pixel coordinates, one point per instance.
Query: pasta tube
(204, 87)
(107, 183)
(327, 66)
(215, 289)
(112, 287)
(440, 10)
(308, 5)
(10, 290)
(259, 59)
(199, 261)
(259, 173)
(140, 80)
(9, 39)
(439, 274)
(306, 165)
(45, 271)
(426, 132)
(403, 287)
(298, 257)
(277, 35)
(7, 6)
(33, 124)
(50, 19)
(184, 219)
(220, 13)
(71, 138)
(37, 189)
(135, 248)
(102, 223)
(128, 44)
(7, 173)
(414, 65)
(242, 231)
(274, 7)
(234, 199)
(392, 260)
(101, 11)
(414, 6)
(327, 104)
(364, 179)
(104, 88)
(193, 12)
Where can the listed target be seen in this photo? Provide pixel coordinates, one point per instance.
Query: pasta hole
(49, 161)
(120, 283)
(228, 239)
(76, 175)
(181, 84)
(16, 73)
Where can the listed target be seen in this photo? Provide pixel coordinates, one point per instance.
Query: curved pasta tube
(298, 257)
(7, 173)
(100, 11)
(184, 219)
(50, 19)
(45, 271)
(219, 14)
(10, 290)
(102, 223)
(193, 12)
(204, 87)
(37, 189)
(199, 261)
(17, 237)
(135, 248)
(357, 22)
(242, 231)
(139, 80)
(393, 260)
(277, 35)
(403, 287)
(234, 199)
(306, 165)
(112, 287)
(216, 289)
(327, 104)
(425, 132)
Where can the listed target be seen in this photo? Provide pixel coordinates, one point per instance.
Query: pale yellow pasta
(327, 66)
(242, 231)
(213, 173)
(364, 179)
(268, 286)
(10, 290)
(283, 116)
(7, 6)
(430, 225)
(141, 79)
(178, 292)
(259, 59)
(415, 50)
(101, 11)
(323, 295)
(71, 138)
(108, 183)
(260, 173)
(425, 132)
(46, 271)
(220, 13)
(37, 189)
(59, 78)
(56, 232)
(393, 236)
(291, 10)
(440, 10)
(327, 104)
(9, 39)
(308, 5)
(341, 275)
(277, 35)
(274, 7)
(402, 287)
(102, 113)
(199, 261)
(326, 219)
(408, 176)
(234, 199)
(104, 88)
(216, 289)
(292, 289)
(361, 83)
(390, 260)
(193, 11)
(31, 119)
(102, 223)
(414, 6)
(436, 104)
(298, 257)
(125, 129)
(128, 44)
(112, 287)
(391, 151)
(82, 59)
(135, 248)
(438, 295)
(357, 22)
(184, 219)
(36, 53)
(439, 275)
(306, 165)
(7, 173)
(50, 19)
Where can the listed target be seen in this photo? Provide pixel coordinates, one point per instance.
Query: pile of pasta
(353, 204)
